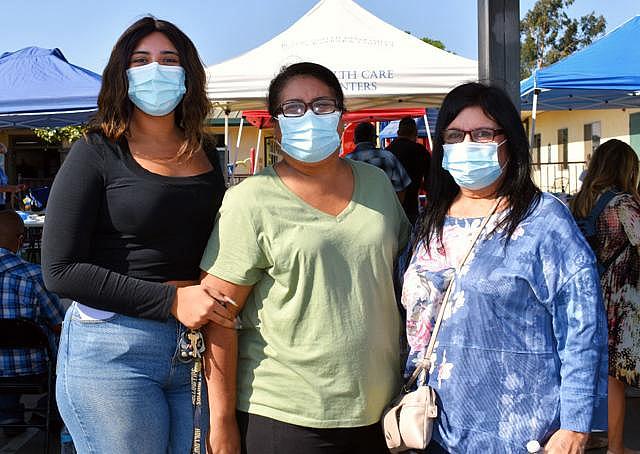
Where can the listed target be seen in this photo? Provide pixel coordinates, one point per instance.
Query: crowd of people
(284, 284)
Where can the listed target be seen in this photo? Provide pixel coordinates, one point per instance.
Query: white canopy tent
(378, 65)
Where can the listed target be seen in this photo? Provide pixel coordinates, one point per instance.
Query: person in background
(306, 249)
(614, 167)
(522, 351)
(415, 159)
(128, 217)
(365, 137)
(22, 295)
(6, 189)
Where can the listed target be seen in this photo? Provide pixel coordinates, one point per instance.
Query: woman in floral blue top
(522, 352)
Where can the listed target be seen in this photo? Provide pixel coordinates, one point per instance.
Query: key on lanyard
(191, 346)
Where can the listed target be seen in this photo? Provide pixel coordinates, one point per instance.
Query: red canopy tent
(261, 119)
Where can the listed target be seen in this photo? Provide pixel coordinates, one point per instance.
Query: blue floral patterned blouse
(522, 350)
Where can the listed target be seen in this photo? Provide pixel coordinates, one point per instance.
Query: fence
(559, 177)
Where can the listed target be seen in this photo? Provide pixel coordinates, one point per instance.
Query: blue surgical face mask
(310, 138)
(472, 165)
(156, 89)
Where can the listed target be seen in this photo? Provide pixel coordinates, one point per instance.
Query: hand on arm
(220, 361)
(196, 305)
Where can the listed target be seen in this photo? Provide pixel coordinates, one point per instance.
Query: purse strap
(426, 360)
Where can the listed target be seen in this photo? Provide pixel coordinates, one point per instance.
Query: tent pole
(235, 158)
(227, 148)
(534, 112)
(426, 126)
(256, 159)
(226, 129)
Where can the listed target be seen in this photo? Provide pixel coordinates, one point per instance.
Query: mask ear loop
(274, 139)
(507, 162)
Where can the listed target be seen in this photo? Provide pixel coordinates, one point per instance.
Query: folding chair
(25, 333)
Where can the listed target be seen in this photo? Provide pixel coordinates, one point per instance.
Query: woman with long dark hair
(129, 215)
(520, 353)
(614, 168)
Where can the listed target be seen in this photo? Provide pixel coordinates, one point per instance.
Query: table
(31, 245)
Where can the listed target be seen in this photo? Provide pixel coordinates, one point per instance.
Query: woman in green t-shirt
(306, 249)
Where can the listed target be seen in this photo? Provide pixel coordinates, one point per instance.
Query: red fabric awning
(261, 118)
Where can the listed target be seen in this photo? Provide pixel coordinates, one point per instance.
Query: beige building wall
(614, 124)
(248, 140)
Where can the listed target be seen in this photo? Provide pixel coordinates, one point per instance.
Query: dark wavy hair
(114, 106)
(517, 186)
(306, 69)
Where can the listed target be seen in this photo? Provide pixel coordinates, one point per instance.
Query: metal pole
(226, 129)
(256, 159)
(499, 46)
(534, 112)
(235, 157)
(426, 125)
(240, 132)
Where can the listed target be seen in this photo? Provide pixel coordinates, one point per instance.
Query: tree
(58, 135)
(548, 34)
(434, 42)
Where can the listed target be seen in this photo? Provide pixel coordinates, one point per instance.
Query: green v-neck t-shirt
(319, 338)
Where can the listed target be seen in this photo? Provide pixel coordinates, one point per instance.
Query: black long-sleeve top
(114, 232)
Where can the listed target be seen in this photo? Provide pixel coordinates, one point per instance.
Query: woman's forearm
(220, 361)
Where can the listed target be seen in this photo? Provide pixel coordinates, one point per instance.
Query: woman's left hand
(566, 442)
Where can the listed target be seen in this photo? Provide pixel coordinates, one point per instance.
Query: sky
(85, 30)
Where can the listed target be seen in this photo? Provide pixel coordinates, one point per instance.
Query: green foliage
(58, 135)
(434, 42)
(548, 34)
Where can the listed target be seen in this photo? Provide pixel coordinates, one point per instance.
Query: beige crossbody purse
(408, 421)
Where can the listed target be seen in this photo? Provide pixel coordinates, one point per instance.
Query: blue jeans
(122, 389)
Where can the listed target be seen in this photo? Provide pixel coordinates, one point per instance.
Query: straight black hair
(517, 186)
(306, 69)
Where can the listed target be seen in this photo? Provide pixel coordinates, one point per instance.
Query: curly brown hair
(114, 106)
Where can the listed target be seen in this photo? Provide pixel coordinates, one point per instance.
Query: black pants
(260, 435)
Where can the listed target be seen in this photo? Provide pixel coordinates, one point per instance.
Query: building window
(592, 135)
(563, 147)
(537, 145)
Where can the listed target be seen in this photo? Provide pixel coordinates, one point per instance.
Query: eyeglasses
(319, 106)
(482, 135)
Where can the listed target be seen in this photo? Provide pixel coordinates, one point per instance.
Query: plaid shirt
(385, 160)
(22, 294)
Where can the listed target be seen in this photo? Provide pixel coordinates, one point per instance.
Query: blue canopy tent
(390, 131)
(603, 75)
(40, 88)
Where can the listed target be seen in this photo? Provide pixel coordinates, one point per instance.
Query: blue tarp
(39, 87)
(390, 131)
(603, 75)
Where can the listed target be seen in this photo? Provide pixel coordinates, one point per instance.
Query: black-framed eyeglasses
(319, 106)
(482, 135)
